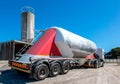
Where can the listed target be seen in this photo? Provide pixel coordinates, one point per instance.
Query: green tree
(115, 52)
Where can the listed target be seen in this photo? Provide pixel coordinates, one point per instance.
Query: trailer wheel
(55, 69)
(41, 72)
(96, 65)
(65, 67)
(102, 64)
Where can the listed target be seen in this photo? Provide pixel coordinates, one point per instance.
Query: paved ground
(110, 74)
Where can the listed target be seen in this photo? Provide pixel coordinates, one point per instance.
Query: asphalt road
(109, 74)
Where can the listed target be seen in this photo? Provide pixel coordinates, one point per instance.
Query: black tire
(65, 67)
(102, 64)
(41, 72)
(99, 64)
(96, 64)
(55, 69)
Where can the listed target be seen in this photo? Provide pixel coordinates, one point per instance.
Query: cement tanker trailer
(55, 52)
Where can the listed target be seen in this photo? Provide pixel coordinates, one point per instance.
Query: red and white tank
(59, 43)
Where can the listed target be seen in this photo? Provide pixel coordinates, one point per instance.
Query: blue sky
(97, 20)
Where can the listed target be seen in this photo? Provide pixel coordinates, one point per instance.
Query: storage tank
(72, 45)
(27, 20)
(59, 43)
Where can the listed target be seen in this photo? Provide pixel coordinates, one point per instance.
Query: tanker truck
(55, 52)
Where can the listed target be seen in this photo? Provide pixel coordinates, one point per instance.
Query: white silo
(27, 20)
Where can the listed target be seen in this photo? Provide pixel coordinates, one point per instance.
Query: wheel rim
(66, 67)
(55, 70)
(42, 73)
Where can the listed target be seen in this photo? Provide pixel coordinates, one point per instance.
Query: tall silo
(27, 24)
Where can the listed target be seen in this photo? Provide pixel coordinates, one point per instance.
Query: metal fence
(112, 61)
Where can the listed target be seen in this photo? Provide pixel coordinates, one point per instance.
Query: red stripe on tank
(90, 56)
(45, 45)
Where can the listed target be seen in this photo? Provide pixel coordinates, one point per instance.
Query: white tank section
(27, 32)
(72, 45)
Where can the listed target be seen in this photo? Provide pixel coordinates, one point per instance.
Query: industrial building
(8, 50)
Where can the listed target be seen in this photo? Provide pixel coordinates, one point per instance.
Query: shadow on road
(12, 77)
(82, 67)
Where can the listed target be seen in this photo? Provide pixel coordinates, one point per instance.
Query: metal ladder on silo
(19, 53)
